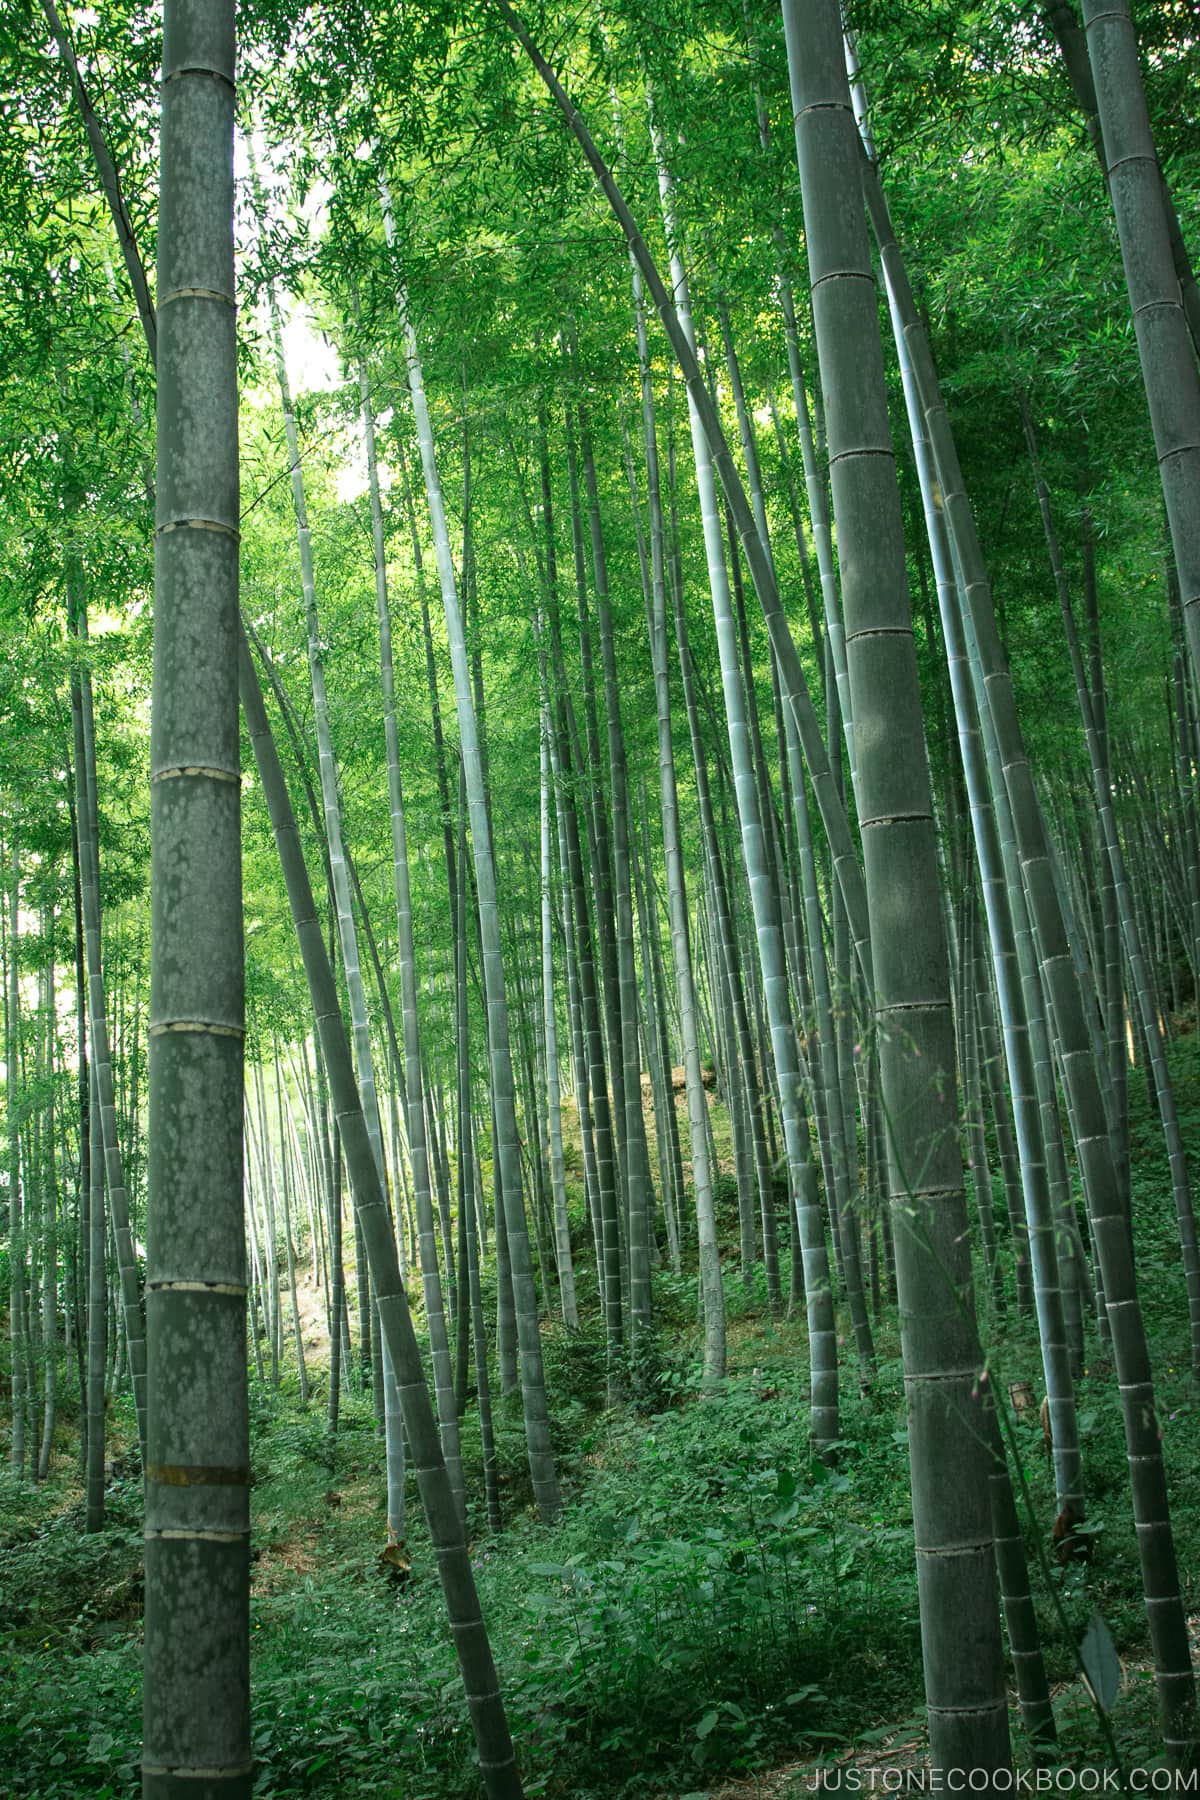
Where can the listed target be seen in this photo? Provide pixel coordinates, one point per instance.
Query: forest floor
(902, 1750)
(716, 1616)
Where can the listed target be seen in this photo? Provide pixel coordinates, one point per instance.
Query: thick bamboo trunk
(960, 1626)
(1082, 1076)
(1160, 323)
(196, 1692)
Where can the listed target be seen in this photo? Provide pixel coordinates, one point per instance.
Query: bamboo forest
(599, 898)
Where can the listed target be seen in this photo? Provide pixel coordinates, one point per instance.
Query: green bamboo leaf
(1101, 1664)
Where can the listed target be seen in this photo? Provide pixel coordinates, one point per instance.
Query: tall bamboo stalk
(960, 1626)
(1168, 356)
(414, 1084)
(497, 1759)
(196, 1690)
(764, 898)
(1082, 1076)
(533, 1390)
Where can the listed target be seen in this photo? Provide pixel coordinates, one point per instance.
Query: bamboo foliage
(876, 894)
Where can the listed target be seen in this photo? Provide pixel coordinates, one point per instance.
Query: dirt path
(901, 1748)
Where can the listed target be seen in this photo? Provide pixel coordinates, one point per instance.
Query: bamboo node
(202, 1025)
(196, 1475)
(217, 525)
(195, 293)
(199, 69)
(214, 774)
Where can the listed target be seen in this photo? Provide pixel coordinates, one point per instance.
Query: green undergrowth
(712, 1601)
(710, 1597)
